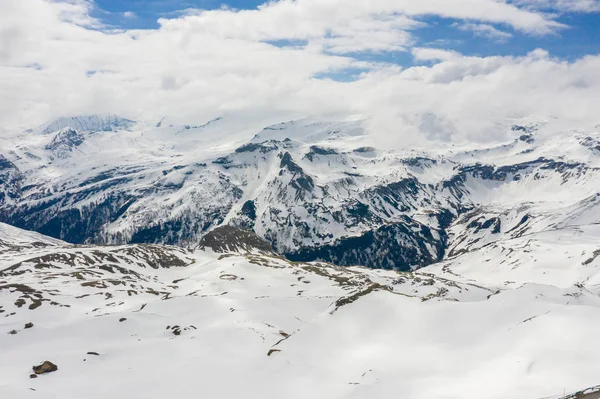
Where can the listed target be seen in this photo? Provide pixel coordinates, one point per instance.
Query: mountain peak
(92, 123)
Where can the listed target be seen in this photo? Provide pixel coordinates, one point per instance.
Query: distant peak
(310, 130)
(170, 121)
(89, 123)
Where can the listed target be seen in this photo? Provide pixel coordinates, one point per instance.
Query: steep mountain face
(316, 191)
(88, 123)
(65, 141)
(10, 182)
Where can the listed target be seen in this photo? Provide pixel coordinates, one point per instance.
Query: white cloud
(196, 67)
(129, 15)
(485, 30)
(585, 6)
(433, 54)
(76, 12)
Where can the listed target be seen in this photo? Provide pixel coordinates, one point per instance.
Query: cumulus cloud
(265, 63)
(340, 27)
(475, 97)
(434, 54)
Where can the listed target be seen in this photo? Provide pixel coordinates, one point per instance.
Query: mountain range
(298, 260)
(314, 190)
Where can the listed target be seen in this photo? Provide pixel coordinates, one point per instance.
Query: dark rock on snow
(46, 367)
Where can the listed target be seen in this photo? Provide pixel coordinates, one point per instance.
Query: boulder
(46, 367)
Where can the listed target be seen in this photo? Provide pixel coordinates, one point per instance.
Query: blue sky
(580, 39)
(149, 11)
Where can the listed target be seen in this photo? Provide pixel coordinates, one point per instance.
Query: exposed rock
(527, 138)
(28, 325)
(65, 142)
(122, 319)
(316, 150)
(262, 147)
(176, 330)
(233, 239)
(365, 149)
(399, 246)
(46, 367)
(271, 351)
(93, 353)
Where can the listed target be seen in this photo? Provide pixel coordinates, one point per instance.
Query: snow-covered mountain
(151, 321)
(164, 260)
(314, 190)
(89, 123)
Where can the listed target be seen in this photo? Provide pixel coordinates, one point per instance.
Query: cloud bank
(56, 59)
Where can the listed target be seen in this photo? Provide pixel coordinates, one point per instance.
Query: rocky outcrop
(46, 367)
(232, 239)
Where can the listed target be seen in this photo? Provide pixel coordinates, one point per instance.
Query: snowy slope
(165, 322)
(15, 239)
(495, 293)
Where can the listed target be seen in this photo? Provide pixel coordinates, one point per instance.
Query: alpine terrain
(297, 260)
